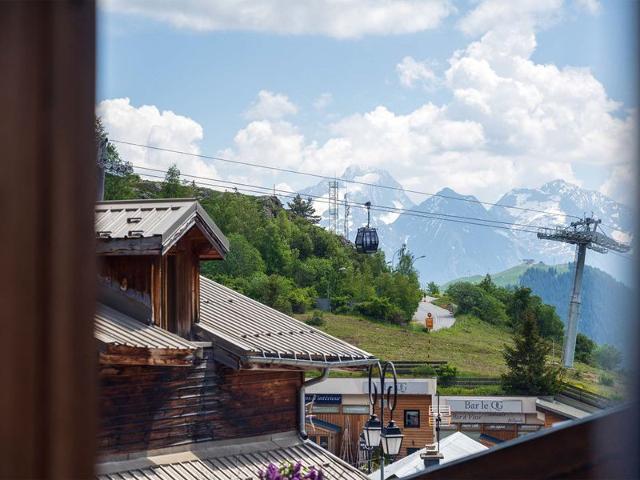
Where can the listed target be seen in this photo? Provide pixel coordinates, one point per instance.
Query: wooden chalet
(196, 379)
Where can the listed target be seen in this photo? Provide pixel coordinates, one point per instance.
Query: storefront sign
(467, 417)
(485, 405)
(323, 398)
(404, 388)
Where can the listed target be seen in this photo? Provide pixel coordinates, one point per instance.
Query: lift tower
(583, 234)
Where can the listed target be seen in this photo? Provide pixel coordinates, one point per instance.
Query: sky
(479, 96)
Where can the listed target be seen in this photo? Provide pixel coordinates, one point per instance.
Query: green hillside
(512, 275)
(605, 301)
(474, 347)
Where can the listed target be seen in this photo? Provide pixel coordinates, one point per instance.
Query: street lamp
(389, 437)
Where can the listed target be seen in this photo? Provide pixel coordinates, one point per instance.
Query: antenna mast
(581, 234)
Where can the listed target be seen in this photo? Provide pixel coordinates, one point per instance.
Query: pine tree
(173, 187)
(303, 208)
(529, 373)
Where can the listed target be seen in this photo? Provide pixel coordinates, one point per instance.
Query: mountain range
(447, 230)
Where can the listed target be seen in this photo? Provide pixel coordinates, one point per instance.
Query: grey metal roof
(261, 334)
(231, 460)
(165, 219)
(116, 328)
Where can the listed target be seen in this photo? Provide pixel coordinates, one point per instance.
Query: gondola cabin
(367, 237)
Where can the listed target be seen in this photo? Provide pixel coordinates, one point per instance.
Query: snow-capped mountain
(454, 247)
(357, 194)
(566, 201)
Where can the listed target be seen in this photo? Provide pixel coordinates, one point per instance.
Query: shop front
(492, 420)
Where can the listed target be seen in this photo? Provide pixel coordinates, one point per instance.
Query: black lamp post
(390, 437)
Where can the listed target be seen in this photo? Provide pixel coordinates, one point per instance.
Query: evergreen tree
(529, 373)
(584, 349)
(303, 209)
(172, 187)
(433, 289)
(487, 284)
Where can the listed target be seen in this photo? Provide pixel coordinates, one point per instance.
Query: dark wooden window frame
(411, 410)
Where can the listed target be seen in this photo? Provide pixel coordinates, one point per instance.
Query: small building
(492, 420)
(197, 380)
(339, 408)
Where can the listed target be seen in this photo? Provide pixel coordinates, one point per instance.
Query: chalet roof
(255, 333)
(455, 446)
(164, 220)
(561, 408)
(235, 459)
(120, 335)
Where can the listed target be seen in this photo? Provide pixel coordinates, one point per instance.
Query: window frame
(411, 410)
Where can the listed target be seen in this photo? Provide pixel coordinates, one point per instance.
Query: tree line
(280, 256)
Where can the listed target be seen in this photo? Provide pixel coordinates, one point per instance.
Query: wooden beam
(48, 407)
(129, 246)
(125, 355)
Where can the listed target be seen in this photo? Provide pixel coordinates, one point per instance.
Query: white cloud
(622, 183)
(333, 18)
(490, 14)
(323, 101)
(271, 105)
(411, 72)
(511, 122)
(149, 126)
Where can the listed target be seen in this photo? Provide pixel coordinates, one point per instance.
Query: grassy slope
(510, 276)
(473, 346)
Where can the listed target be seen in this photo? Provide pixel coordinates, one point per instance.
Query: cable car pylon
(581, 234)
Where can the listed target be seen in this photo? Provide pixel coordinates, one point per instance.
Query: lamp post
(376, 434)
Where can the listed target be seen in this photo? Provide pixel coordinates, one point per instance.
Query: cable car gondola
(367, 237)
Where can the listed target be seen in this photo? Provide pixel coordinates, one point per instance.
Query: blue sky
(209, 74)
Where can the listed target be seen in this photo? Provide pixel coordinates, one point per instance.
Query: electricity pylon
(107, 165)
(333, 206)
(580, 234)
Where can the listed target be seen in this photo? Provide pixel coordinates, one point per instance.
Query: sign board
(323, 398)
(485, 405)
(468, 417)
(404, 388)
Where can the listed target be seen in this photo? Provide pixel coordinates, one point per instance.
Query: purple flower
(289, 471)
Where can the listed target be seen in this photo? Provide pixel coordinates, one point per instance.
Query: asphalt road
(442, 318)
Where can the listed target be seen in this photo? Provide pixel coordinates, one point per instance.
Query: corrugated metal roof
(114, 327)
(239, 460)
(167, 219)
(256, 330)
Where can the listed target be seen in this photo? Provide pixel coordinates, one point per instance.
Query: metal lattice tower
(583, 236)
(347, 210)
(333, 205)
(106, 165)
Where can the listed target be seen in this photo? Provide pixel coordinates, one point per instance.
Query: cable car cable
(325, 177)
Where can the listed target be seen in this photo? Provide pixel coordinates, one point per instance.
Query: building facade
(492, 420)
(339, 407)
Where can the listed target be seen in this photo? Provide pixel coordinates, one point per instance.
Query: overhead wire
(380, 208)
(344, 202)
(325, 177)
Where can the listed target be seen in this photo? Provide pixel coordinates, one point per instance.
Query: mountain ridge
(455, 247)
